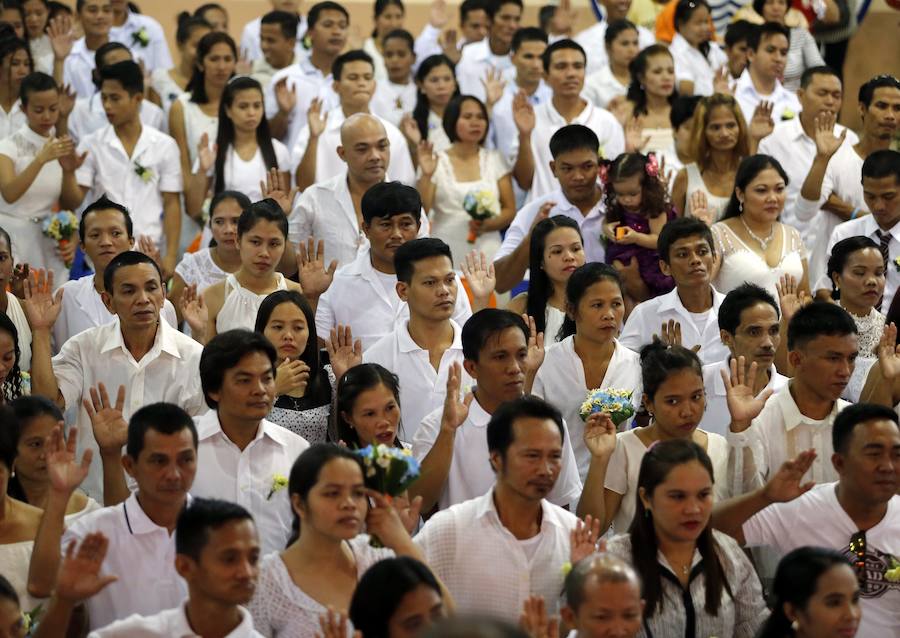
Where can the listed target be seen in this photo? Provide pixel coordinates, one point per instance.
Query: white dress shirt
(868, 227)
(717, 418)
(795, 150)
(12, 121)
(485, 568)
(358, 285)
(817, 519)
(77, 69)
(109, 169)
(470, 473)
(648, 317)
(422, 388)
(88, 116)
(477, 58)
(591, 225)
(561, 381)
(593, 41)
(785, 104)
(83, 308)
(548, 121)
(168, 372)
(308, 83)
(155, 54)
(251, 47)
(392, 101)
(780, 433)
(171, 623)
(400, 168)
(246, 477)
(692, 66)
(504, 134)
(141, 554)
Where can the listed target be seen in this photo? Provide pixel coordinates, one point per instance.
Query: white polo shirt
(168, 372)
(780, 433)
(358, 285)
(593, 41)
(88, 116)
(246, 476)
(422, 388)
(83, 308)
(77, 69)
(474, 64)
(817, 519)
(141, 554)
(548, 121)
(591, 225)
(471, 474)
(308, 83)
(561, 381)
(717, 418)
(485, 568)
(400, 168)
(251, 47)
(692, 66)
(785, 103)
(648, 317)
(108, 169)
(171, 623)
(155, 54)
(868, 227)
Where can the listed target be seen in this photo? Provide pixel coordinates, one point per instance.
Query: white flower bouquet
(480, 205)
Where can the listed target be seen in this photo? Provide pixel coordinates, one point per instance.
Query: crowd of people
(227, 273)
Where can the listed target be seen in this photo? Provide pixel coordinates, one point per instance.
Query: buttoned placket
(136, 384)
(523, 565)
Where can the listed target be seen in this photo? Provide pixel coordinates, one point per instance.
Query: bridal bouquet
(480, 205)
(616, 403)
(61, 226)
(388, 470)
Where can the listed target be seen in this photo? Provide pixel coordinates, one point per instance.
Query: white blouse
(196, 123)
(199, 268)
(601, 87)
(22, 146)
(241, 305)
(692, 66)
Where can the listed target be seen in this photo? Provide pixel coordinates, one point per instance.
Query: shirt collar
(310, 70)
(110, 138)
(208, 426)
(791, 413)
(179, 627)
(564, 206)
(406, 344)
(477, 415)
(165, 340)
(485, 507)
(672, 301)
(872, 228)
(136, 518)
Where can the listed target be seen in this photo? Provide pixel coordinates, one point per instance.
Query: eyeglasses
(858, 547)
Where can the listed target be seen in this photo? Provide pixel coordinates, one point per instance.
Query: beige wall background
(874, 49)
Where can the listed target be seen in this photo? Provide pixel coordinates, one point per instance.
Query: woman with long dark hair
(10, 372)
(367, 408)
(435, 86)
(166, 85)
(650, 96)
(244, 152)
(697, 581)
(555, 252)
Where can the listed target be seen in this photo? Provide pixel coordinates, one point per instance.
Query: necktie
(884, 240)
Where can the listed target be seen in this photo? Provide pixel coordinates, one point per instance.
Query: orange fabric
(195, 245)
(665, 23)
(491, 304)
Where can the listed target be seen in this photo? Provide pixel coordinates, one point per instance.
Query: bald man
(330, 209)
(603, 598)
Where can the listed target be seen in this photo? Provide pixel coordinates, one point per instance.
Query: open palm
(743, 405)
(41, 306)
(107, 421)
(79, 573)
(65, 472)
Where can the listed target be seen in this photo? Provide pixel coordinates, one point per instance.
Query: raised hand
(720, 81)
(564, 19)
(535, 357)
(493, 84)
(193, 309)
(479, 274)
(889, 353)
(206, 155)
(314, 277)
(285, 97)
(21, 273)
(41, 306)
(456, 411)
(107, 420)
(448, 41)
(785, 484)
(410, 130)
(63, 467)
(147, 246)
(278, 187)
(292, 375)
(635, 140)
(742, 404)
(316, 118)
(670, 333)
(523, 113)
(621, 108)
(583, 539)
(55, 148)
(72, 162)
(790, 297)
(333, 624)
(343, 352)
(426, 157)
(437, 16)
(408, 511)
(699, 207)
(761, 123)
(62, 36)
(79, 572)
(665, 174)
(534, 620)
(826, 143)
(243, 65)
(600, 435)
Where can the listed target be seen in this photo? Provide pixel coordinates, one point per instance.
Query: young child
(637, 207)
(396, 95)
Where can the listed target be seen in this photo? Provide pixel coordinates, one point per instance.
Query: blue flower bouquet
(616, 403)
(388, 470)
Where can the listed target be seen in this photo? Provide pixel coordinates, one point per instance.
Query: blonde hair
(699, 149)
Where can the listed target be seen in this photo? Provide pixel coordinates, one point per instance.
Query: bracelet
(854, 213)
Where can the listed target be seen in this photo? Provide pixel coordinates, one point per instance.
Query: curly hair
(654, 195)
(12, 387)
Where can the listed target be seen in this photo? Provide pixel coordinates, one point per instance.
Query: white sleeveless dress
(695, 183)
(241, 305)
(196, 123)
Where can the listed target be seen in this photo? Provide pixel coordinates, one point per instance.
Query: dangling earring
(795, 625)
(646, 513)
(741, 207)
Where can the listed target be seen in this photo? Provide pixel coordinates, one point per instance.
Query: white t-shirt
(817, 519)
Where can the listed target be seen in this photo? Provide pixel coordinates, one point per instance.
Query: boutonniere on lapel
(896, 263)
(892, 575)
(787, 114)
(279, 482)
(140, 37)
(143, 172)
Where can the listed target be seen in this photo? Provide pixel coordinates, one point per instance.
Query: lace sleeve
(721, 240)
(797, 243)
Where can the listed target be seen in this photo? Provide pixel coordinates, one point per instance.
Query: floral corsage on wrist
(143, 172)
(279, 482)
(616, 403)
(141, 37)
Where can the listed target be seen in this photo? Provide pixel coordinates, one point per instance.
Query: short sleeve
(8, 148)
(426, 435)
(282, 156)
(497, 165)
(442, 174)
(617, 470)
(568, 488)
(325, 314)
(68, 370)
(749, 604)
(299, 149)
(437, 540)
(300, 220)
(767, 526)
(187, 269)
(85, 173)
(722, 244)
(170, 168)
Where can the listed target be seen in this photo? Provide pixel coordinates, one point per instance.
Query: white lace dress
(199, 268)
(280, 609)
(870, 330)
(742, 264)
(449, 220)
(241, 305)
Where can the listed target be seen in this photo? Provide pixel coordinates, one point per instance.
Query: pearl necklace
(764, 242)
